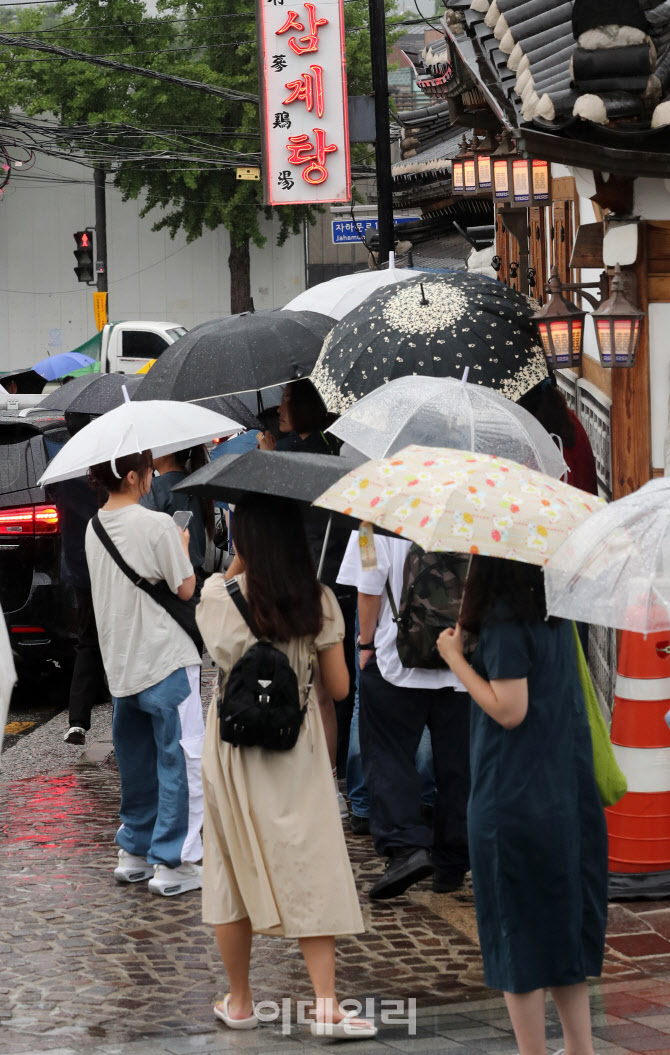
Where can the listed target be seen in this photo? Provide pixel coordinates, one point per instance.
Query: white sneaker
(171, 881)
(342, 806)
(75, 735)
(132, 869)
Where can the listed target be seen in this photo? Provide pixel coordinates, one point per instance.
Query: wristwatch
(367, 646)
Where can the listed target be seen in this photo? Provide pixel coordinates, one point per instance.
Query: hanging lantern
(470, 167)
(502, 177)
(617, 324)
(540, 182)
(560, 325)
(484, 162)
(457, 174)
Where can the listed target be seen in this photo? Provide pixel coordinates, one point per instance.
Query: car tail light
(29, 520)
(46, 520)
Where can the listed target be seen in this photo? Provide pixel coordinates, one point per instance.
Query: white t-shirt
(140, 643)
(391, 553)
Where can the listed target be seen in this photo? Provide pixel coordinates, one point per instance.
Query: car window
(16, 463)
(176, 332)
(142, 344)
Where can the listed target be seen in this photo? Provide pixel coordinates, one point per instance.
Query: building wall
(43, 309)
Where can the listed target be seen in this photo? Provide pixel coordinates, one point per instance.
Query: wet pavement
(89, 966)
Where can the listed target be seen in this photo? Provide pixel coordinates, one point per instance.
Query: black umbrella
(27, 381)
(436, 326)
(241, 353)
(284, 474)
(233, 408)
(92, 393)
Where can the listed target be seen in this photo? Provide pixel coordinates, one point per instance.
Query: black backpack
(261, 705)
(430, 601)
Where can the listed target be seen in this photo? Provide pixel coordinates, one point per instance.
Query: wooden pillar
(631, 408)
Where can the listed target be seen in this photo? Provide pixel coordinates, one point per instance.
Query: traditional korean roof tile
(596, 70)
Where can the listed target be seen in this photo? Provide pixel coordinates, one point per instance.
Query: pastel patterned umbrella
(463, 502)
(435, 326)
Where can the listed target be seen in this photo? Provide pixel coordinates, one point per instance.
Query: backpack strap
(239, 600)
(394, 607)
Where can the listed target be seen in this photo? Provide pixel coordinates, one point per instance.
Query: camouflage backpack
(430, 601)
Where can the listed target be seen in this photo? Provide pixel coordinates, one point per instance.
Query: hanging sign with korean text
(305, 136)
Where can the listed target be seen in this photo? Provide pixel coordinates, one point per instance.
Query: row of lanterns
(484, 166)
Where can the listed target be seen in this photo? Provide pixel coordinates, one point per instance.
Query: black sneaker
(401, 873)
(447, 884)
(359, 825)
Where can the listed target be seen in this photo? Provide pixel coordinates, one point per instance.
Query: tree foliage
(221, 47)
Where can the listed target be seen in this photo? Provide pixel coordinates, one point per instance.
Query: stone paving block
(423, 1045)
(659, 1022)
(473, 1033)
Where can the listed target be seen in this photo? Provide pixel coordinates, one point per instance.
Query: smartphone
(182, 518)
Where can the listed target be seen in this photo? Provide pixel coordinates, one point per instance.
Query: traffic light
(84, 254)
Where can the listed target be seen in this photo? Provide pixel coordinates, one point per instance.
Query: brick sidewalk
(89, 966)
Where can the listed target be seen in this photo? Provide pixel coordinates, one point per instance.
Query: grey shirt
(163, 499)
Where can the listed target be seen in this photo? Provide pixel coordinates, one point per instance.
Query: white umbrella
(614, 569)
(340, 295)
(159, 425)
(447, 412)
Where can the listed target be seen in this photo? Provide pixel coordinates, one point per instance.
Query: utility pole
(380, 88)
(101, 233)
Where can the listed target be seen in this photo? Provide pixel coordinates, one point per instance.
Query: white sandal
(348, 1028)
(235, 1023)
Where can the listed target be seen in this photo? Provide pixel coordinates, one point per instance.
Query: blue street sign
(348, 230)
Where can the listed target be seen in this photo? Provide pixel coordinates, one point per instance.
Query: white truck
(125, 347)
(128, 346)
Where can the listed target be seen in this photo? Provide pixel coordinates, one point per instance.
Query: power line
(132, 54)
(122, 67)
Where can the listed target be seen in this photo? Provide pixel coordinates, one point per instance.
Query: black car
(38, 608)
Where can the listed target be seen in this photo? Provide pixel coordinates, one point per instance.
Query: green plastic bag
(609, 778)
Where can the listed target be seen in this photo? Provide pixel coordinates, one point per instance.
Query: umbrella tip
(391, 261)
(466, 371)
(423, 296)
(126, 397)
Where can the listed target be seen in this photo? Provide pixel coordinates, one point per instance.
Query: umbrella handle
(325, 546)
(465, 586)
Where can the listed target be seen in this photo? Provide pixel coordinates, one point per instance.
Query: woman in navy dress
(536, 827)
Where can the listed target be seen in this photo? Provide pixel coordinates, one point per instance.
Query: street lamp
(560, 325)
(617, 324)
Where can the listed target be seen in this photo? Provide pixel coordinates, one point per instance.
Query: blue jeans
(356, 789)
(158, 737)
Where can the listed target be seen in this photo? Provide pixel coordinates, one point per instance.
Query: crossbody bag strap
(239, 600)
(394, 607)
(116, 556)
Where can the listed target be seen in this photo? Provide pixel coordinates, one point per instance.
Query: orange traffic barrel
(639, 824)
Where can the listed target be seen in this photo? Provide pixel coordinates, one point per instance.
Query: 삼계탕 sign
(305, 136)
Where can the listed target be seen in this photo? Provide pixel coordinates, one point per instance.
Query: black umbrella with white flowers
(433, 325)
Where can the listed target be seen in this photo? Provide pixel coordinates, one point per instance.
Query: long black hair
(494, 579)
(283, 592)
(547, 403)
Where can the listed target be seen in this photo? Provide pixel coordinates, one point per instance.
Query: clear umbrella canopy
(447, 412)
(338, 296)
(614, 569)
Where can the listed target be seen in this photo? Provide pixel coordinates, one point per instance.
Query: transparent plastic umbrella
(447, 412)
(338, 296)
(614, 569)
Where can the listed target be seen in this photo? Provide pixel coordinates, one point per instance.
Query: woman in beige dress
(275, 859)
